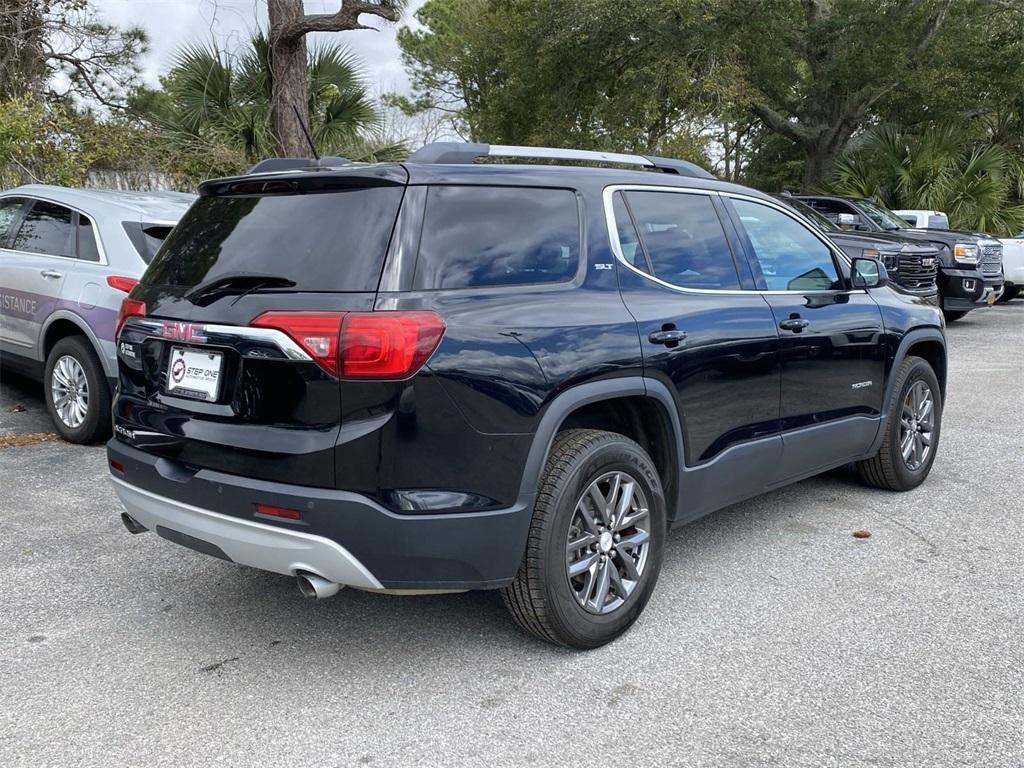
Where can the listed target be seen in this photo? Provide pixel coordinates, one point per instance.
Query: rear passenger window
(9, 209)
(87, 250)
(47, 229)
(683, 239)
(476, 237)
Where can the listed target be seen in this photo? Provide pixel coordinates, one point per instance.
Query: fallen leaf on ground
(29, 438)
(861, 534)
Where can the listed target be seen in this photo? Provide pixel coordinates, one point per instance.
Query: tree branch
(778, 123)
(346, 18)
(79, 66)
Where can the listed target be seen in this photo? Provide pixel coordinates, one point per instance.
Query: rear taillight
(122, 283)
(316, 332)
(362, 345)
(387, 345)
(129, 308)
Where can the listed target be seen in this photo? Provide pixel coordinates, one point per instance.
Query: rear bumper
(344, 537)
(242, 541)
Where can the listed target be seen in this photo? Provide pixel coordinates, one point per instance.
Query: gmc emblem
(927, 262)
(183, 331)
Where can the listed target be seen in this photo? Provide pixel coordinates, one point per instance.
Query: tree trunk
(289, 87)
(819, 161)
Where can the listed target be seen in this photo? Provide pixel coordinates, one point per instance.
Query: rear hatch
(230, 340)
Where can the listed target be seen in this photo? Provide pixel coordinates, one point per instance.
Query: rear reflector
(117, 466)
(129, 308)
(122, 283)
(362, 345)
(285, 512)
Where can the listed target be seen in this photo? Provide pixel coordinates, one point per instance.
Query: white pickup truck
(1013, 266)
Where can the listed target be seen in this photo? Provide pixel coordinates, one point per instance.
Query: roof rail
(276, 164)
(454, 152)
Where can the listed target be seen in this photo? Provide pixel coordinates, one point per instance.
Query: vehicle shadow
(268, 607)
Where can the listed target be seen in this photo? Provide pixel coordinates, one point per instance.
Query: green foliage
(213, 110)
(940, 169)
(38, 143)
(599, 74)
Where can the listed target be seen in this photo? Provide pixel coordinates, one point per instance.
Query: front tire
(911, 432)
(77, 395)
(595, 544)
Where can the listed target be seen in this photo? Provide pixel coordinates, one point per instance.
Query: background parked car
(970, 265)
(924, 219)
(68, 258)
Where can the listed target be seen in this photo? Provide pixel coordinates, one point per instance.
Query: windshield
(884, 218)
(819, 220)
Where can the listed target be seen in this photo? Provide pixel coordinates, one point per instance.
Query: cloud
(173, 23)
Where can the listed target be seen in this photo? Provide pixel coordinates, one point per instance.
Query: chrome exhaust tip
(316, 587)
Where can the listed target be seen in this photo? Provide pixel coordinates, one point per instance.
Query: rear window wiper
(240, 283)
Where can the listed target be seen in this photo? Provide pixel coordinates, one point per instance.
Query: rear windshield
(147, 238)
(327, 241)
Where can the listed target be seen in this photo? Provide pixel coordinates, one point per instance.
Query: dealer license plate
(194, 373)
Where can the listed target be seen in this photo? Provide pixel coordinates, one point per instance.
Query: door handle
(666, 337)
(51, 273)
(794, 324)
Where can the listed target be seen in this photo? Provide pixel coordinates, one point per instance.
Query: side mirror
(868, 273)
(848, 220)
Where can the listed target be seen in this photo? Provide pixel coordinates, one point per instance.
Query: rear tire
(908, 427)
(76, 391)
(951, 316)
(584, 596)
(1009, 294)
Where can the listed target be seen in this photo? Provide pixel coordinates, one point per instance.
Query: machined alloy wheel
(917, 421)
(596, 541)
(79, 396)
(608, 543)
(69, 389)
(910, 436)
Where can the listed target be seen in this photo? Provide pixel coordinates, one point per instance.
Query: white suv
(67, 258)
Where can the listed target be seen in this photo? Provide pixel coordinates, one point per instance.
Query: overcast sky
(170, 23)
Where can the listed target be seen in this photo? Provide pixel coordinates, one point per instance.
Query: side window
(791, 257)
(47, 229)
(476, 237)
(830, 208)
(9, 209)
(629, 241)
(87, 250)
(684, 240)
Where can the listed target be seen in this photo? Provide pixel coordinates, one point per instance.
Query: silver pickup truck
(67, 259)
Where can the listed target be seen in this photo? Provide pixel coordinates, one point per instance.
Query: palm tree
(975, 183)
(214, 107)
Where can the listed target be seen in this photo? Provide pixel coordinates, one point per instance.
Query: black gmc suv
(970, 263)
(443, 375)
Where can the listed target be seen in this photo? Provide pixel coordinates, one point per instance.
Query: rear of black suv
(447, 375)
(267, 412)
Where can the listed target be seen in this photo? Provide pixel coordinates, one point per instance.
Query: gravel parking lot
(774, 638)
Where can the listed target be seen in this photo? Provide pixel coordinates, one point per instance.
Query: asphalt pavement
(774, 638)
